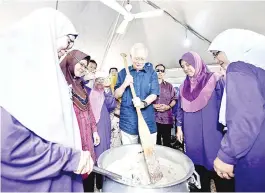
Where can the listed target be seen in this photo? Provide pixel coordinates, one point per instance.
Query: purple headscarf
(196, 91)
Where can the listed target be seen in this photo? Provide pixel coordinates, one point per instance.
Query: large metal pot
(182, 185)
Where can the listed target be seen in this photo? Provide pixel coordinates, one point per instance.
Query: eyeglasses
(157, 70)
(70, 43)
(83, 65)
(215, 54)
(139, 59)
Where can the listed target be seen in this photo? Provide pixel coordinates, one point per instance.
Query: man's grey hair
(138, 46)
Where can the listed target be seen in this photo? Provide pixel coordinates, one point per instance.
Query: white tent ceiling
(162, 35)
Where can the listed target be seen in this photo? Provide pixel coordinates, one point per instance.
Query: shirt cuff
(179, 124)
(226, 158)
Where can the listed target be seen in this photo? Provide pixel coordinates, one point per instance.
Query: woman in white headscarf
(40, 139)
(242, 151)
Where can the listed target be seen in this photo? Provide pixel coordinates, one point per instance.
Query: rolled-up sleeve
(155, 88)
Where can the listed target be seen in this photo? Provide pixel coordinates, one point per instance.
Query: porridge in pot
(134, 167)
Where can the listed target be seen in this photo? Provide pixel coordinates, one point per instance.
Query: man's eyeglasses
(215, 54)
(139, 59)
(157, 70)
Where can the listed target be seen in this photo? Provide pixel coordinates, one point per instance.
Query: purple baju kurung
(104, 123)
(32, 164)
(202, 132)
(244, 143)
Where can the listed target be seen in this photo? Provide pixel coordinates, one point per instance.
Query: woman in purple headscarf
(197, 116)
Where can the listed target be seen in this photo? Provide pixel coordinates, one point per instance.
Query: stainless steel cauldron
(182, 185)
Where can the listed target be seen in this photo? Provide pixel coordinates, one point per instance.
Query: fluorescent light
(187, 43)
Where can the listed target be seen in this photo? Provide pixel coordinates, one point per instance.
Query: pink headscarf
(195, 92)
(97, 97)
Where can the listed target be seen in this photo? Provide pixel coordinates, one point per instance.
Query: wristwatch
(145, 104)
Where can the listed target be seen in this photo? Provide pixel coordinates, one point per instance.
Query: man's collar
(144, 68)
(163, 81)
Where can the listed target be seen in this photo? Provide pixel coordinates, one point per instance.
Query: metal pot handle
(195, 180)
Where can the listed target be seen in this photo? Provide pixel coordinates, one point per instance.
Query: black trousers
(222, 185)
(164, 132)
(99, 181)
(89, 183)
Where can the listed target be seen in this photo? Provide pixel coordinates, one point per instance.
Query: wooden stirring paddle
(145, 136)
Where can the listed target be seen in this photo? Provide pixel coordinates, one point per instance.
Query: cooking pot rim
(186, 158)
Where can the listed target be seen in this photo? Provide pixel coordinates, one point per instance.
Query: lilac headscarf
(196, 91)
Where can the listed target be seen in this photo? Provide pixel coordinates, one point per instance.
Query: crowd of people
(59, 113)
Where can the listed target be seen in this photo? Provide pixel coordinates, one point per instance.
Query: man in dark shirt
(163, 107)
